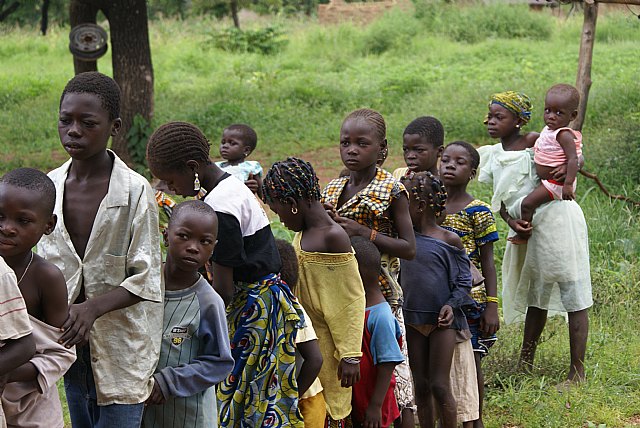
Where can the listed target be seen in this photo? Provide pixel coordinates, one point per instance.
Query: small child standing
(422, 142)
(436, 285)
(556, 146)
(195, 353)
(27, 199)
(471, 219)
(108, 249)
(238, 142)
(329, 286)
(308, 354)
(374, 402)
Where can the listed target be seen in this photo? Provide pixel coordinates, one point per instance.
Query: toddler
(238, 141)
(374, 402)
(27, 199)
(557, 145)
(195, 353)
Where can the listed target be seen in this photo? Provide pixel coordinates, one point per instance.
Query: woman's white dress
(551, 271)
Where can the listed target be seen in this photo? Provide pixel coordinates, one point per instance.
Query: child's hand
(372, 417)
(156, 397)
(252, 183)
(521, 227)
(78, 324)
(445, 318)
(559, 173)
(349, 374)
(489, 320)
(352, 227)
(567, 192)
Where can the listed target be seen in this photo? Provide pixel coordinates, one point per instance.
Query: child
(372, 204)
(557, 145)
(107, 247)
(195, 353)
(472, 220)
(436, 285)
(422, 155)
(329, 285)
(16, 341)
(374, 403)
(308, 354)
(27, 199)
(246, 267)
(238, 141)
(422, 142)
(551, 273)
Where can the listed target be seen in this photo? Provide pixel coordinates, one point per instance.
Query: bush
(265, 41)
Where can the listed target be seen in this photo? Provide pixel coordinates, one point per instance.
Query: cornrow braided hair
(291, 178)
(372, 116)
(174, 143)
(425, 184)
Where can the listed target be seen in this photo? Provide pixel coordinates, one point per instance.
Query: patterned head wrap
(516, 102)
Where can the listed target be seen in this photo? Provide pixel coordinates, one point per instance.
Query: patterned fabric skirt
(261, 391)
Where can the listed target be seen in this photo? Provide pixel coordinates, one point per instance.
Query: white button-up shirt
(123, 251)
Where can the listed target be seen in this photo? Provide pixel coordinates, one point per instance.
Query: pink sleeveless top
(547, 150)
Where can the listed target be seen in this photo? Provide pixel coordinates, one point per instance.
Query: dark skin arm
(310, 368)
(373, 414)
(254, 183)
(14, 353)
(566, 141)
(348, 374)
(53, 303)
(521, 227)
(223, 282)
(156, 397)
(82, 315)
(489, 320)
(404, 246)
(445, 317)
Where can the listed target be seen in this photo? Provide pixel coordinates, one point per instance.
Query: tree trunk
(583, 80)
(83, 12)
(8, 11)
(234, 13)
(132, 68)
(44, 21)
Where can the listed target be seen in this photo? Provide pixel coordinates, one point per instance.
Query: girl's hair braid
(291, 178)
(426, 185)
(372, 116)
(174, 143)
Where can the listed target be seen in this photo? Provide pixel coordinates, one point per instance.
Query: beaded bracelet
(492, 299)
(374, 234)
(351, 360)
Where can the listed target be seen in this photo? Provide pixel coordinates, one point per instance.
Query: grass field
(444, 61)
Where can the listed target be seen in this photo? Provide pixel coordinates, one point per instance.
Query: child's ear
(440, 150)
(51, 225)
(246, 151)
(165, 238)
(115, 126)
(294, 205)
(422, 205)
(473, 174)
(574, 114)
(193, 165)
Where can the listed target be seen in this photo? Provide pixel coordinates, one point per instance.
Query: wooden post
(583, 80)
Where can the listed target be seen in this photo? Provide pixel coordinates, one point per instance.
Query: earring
(294, 210)
(518, 126)
(196, 183)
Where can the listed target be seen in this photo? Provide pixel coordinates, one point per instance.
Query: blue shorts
(480, 344)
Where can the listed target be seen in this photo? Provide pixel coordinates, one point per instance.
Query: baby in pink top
(556, 146)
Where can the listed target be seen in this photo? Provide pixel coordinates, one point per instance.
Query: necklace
(27, 269)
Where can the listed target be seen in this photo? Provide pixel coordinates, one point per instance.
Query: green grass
(443, 61)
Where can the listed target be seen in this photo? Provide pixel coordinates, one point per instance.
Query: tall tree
(131, 58)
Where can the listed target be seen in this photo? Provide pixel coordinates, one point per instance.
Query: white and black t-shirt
(245, 241)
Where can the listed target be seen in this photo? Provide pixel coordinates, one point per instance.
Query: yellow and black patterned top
(476, 226)
(370, 207)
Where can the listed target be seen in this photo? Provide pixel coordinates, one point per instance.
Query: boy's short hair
(568, 91)
(367, 254)
(104, 87)
(193, 206)
(427, 127)
(289, 270)
(35, 180)
(248, 135)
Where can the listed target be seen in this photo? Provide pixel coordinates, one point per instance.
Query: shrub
(265, 41)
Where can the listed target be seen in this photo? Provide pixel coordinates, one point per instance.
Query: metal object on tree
(88, 42)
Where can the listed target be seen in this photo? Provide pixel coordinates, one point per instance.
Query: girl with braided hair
(262, 313)
(548, 275)
(370, 203)
(436, 286)
(329, 285)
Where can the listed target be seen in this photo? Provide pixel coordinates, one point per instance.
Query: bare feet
(565, 386)
(518, 239)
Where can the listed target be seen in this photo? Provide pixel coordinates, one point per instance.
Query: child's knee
(441, 390)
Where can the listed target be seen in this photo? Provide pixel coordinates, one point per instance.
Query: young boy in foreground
(107, 246)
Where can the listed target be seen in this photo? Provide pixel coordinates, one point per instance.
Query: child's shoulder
(336, 240)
